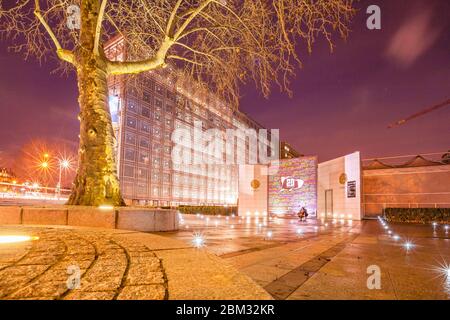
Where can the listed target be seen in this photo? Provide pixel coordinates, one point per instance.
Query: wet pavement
(337, 259)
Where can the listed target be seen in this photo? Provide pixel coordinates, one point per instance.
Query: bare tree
(220, 43)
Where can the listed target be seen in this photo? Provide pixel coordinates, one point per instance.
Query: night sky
(342, 101)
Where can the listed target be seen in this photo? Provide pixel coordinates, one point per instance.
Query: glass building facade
(145, 110)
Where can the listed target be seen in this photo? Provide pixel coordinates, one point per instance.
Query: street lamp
(64, 164)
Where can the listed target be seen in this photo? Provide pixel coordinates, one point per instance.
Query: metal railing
(31, 191)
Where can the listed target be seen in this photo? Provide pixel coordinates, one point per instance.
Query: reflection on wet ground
(336, 259)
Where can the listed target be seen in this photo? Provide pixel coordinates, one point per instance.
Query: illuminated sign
(351, 189)
(290, 183)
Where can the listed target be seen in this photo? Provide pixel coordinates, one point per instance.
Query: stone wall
(127, 218)
(420, 187)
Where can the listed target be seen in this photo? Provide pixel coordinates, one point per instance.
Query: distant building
(288, 152)
(7, 177)
(145, 110)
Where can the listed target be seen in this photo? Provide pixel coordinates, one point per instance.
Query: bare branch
(98, 28)
(184, 59)
(191, 17)
(171, 21)
(63, 54)
(133, 67)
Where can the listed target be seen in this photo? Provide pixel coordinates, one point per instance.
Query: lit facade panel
(292, 185)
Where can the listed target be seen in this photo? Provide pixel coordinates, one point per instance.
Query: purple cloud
(414, 37)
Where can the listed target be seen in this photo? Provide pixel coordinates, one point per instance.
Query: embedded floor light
(16, 238)
(408, 245)
(105, 207)
(198, 240)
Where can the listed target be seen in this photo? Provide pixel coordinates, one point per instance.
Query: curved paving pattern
(110, 266)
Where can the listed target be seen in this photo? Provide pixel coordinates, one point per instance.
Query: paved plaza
(229, 257)
(329, 260)
(112, 264)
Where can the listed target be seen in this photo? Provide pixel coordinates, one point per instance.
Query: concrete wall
(252, 190)
(337, 175)
(425, 187)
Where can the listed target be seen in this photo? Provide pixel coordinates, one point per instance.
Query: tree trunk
(96, 182)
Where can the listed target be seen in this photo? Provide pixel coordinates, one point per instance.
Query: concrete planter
(126, 218)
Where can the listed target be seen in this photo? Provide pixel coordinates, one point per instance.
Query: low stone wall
(126, 218)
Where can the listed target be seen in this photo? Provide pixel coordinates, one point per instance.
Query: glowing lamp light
(65, 163)
(105, 207)
(299, 231)
(269, 234)
(16, 238)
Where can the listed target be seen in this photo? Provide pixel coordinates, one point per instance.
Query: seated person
(302, 214)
